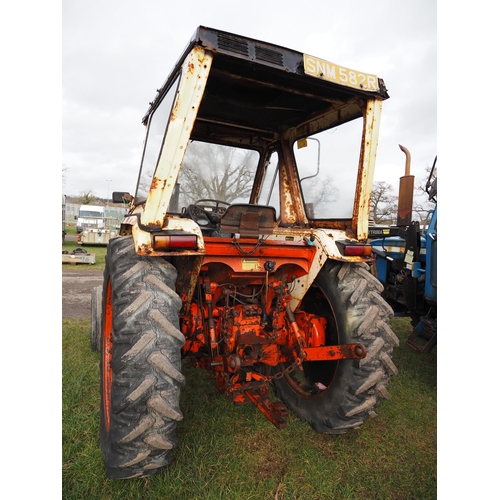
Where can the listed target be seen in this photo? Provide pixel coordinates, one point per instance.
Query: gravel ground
(76, 289)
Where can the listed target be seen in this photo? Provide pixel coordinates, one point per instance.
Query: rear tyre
(334, 396)
(96, 318)
(140, 362)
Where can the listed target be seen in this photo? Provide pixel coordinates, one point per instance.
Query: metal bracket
(429, 325)
(334, 352)
(274, 412)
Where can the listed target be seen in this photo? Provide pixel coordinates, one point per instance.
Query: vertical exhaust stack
(405, 201)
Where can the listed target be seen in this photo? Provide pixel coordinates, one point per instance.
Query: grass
(233, 452)
(71, 229)
(98, 250)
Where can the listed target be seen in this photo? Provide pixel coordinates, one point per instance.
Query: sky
(115, 54)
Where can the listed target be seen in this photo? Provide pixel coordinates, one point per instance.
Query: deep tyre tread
(140, 407)
(348, 295)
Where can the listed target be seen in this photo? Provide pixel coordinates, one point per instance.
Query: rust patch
(144, 249)
(157, 183)
(351, 234)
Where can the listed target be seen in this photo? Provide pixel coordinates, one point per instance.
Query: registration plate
(338, 74)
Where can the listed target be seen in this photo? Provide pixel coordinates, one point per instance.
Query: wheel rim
(106, 353)
(314, 378)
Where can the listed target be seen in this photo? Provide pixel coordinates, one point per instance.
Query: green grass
(71, 229)
(233, 452)
(99, 251)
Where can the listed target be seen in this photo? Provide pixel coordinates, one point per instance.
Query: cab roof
(256, 88)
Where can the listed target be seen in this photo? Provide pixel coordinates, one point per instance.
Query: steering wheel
(207, 213)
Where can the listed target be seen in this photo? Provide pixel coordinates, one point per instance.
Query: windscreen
(328, 168)
(90, 213)
(270, 191)
(212, 171)
(157, 129)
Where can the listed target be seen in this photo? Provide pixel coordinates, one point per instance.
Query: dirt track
(76, 289)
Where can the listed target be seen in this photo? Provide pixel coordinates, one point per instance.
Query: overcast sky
(115, 54)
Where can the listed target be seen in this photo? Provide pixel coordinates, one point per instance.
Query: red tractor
(244, 250)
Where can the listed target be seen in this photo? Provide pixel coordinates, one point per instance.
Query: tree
(216, 172)
(319, 193)
(383, 204)
(87, 197)
(422, 205)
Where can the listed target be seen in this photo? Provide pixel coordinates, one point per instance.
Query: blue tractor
(405, 262)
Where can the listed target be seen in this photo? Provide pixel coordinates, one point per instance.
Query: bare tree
(216, 172)
(422, 205)
(320, 193)
(383, 204)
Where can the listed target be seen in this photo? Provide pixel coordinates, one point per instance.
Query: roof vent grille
(232, 44)
(268, 55)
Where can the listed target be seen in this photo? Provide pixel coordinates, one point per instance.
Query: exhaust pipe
(405, 199)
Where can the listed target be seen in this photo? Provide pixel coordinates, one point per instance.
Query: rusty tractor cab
(245, 251)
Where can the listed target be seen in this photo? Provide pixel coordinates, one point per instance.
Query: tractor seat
(249, 221)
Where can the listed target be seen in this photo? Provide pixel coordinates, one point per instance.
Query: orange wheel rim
(107, 343)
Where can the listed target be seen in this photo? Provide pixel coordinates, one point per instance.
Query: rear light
(354, 250)
(175, 242)
(357, 250)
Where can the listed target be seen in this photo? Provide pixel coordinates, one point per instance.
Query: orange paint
(106, 353)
